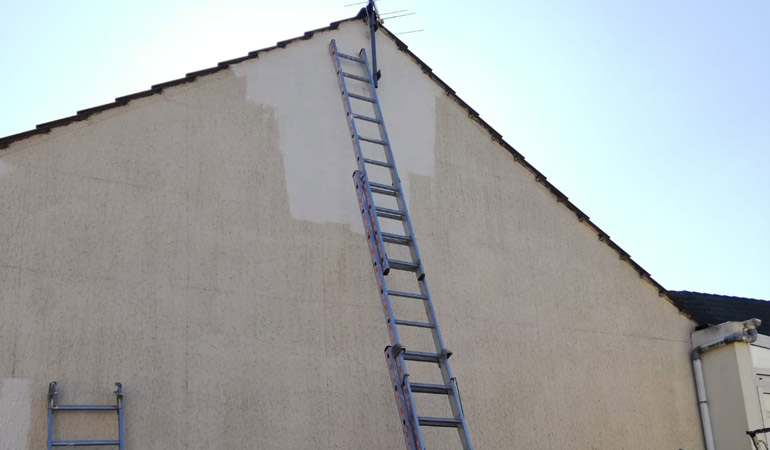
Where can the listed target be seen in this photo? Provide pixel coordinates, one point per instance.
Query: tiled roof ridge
(712, 309)
(731, 297)
(472, 114)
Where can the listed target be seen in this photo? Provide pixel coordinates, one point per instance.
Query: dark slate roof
(712, 309)
(45, 128)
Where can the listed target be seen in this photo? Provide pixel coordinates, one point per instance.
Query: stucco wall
(203, 246)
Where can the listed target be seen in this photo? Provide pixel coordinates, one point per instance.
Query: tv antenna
(374, 19)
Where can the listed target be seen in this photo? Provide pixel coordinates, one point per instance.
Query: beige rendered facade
(203, 246)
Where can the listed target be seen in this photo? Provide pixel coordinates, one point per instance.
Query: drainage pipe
(748, 335)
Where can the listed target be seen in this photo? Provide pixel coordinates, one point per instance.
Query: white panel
(15, 414)
(760, 357)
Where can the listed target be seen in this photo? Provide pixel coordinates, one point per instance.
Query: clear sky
(652, 117)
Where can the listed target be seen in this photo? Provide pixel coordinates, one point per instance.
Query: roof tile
(713, 309)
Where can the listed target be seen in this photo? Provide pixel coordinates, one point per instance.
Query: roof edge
(707, 294)
(84, 114)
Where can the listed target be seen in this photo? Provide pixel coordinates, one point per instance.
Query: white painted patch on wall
(5, 169)
(317, 154)
(15, 413)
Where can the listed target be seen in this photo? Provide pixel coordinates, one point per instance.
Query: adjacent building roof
(712, 309)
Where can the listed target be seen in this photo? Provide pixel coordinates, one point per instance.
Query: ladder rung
(377, 163)
(383, 189)
(427, 388)
(407, 295)
(351, 58)
(403, 265)
(410, 323)
(372, 140)
(438, 422)
(411, 355)
(85, 443)
(394, 212)
(389, 213)
(361, 97)
(396, 238)
(355, 77)
(85, 407)
(366, 118)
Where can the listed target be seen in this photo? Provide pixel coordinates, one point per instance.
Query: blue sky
(652, 117)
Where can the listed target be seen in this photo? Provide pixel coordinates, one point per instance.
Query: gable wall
(203, 246)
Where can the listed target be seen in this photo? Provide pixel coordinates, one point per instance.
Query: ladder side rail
(454, 402)
(415, 253)
(409, 399)
(378, 116)
(50, 428)
(446, 370)
(373, 218)
(457, 410)
(51, 398)
(366, 219)
(119, 405)
(375, 221)
(120, 429)
(429, 309)
(357, 150)
(408, 229)
(366, 201)
(396, 365)
(370, 220)
(387, 308)
(400, 200)
(404, 410)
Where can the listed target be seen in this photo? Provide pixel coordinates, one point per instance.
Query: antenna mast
(373, 19)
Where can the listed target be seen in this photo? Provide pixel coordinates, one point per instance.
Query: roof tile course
(713, 309)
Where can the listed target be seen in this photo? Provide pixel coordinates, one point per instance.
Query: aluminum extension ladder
(52, 407)
(371, 196)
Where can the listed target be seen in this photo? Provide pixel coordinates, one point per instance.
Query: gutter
(748, 335)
